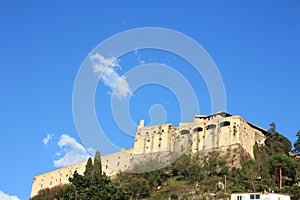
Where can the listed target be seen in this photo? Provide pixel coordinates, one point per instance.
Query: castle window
(210, 126)
(197, 129)
(159, 138)
(224, 123)
(162, 130)
(184, 132)
(148, 140)
(159, 145)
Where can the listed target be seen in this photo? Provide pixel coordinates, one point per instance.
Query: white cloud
(47, 139)
(106, 68)
(139, 57)
(4, 196)
(91, 151)
(71, 151)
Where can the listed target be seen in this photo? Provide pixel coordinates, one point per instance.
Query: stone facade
(203, 134)
(218, 132)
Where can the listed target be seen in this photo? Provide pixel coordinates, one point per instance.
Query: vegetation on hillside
(275, 168)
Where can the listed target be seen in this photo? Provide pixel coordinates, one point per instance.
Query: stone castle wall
(203, 134)
(219, 132)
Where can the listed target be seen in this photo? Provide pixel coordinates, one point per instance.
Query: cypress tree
(97, 164)
(88, 168)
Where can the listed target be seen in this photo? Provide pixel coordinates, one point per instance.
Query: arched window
(210, 126)
(184, 132)
(198, 129)
(224, 123)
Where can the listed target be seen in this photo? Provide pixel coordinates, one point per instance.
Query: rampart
(218, 132)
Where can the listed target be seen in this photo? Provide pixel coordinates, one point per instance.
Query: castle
(218, 132)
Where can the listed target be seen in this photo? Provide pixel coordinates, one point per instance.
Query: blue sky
(254, 44)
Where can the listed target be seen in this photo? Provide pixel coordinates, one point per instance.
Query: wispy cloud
(4, 196)
(71, 152)
(139, 57)
(47, 139)
(107, 69)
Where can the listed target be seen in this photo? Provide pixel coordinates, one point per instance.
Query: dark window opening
(210, 126)
(198, 129)
(225, 123)
(184, 132)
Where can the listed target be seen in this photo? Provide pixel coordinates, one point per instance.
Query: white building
(262, 196)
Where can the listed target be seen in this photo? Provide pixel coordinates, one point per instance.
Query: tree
(297, 143)
(182, 166)
(92, 187)
(277, 143)
(283, 166)
(295, 191)
(249, 173)
(50, 193)
(215, 165)
(97, 164)
(272, 129)
(261, 159)
(89, 167)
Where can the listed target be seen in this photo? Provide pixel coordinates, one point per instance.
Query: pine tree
(276, 142)
(89, 167)
(297, 143)
(97, 164)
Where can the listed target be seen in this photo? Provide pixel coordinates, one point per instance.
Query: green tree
(49, 193)
(97, 164)
(297, 143)
(261, 159)
(182, 166)
(283, 166)
(277, 143)
(249, 173)
(295, 191)
(215, 165)
(88, 168)
(137, 187)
